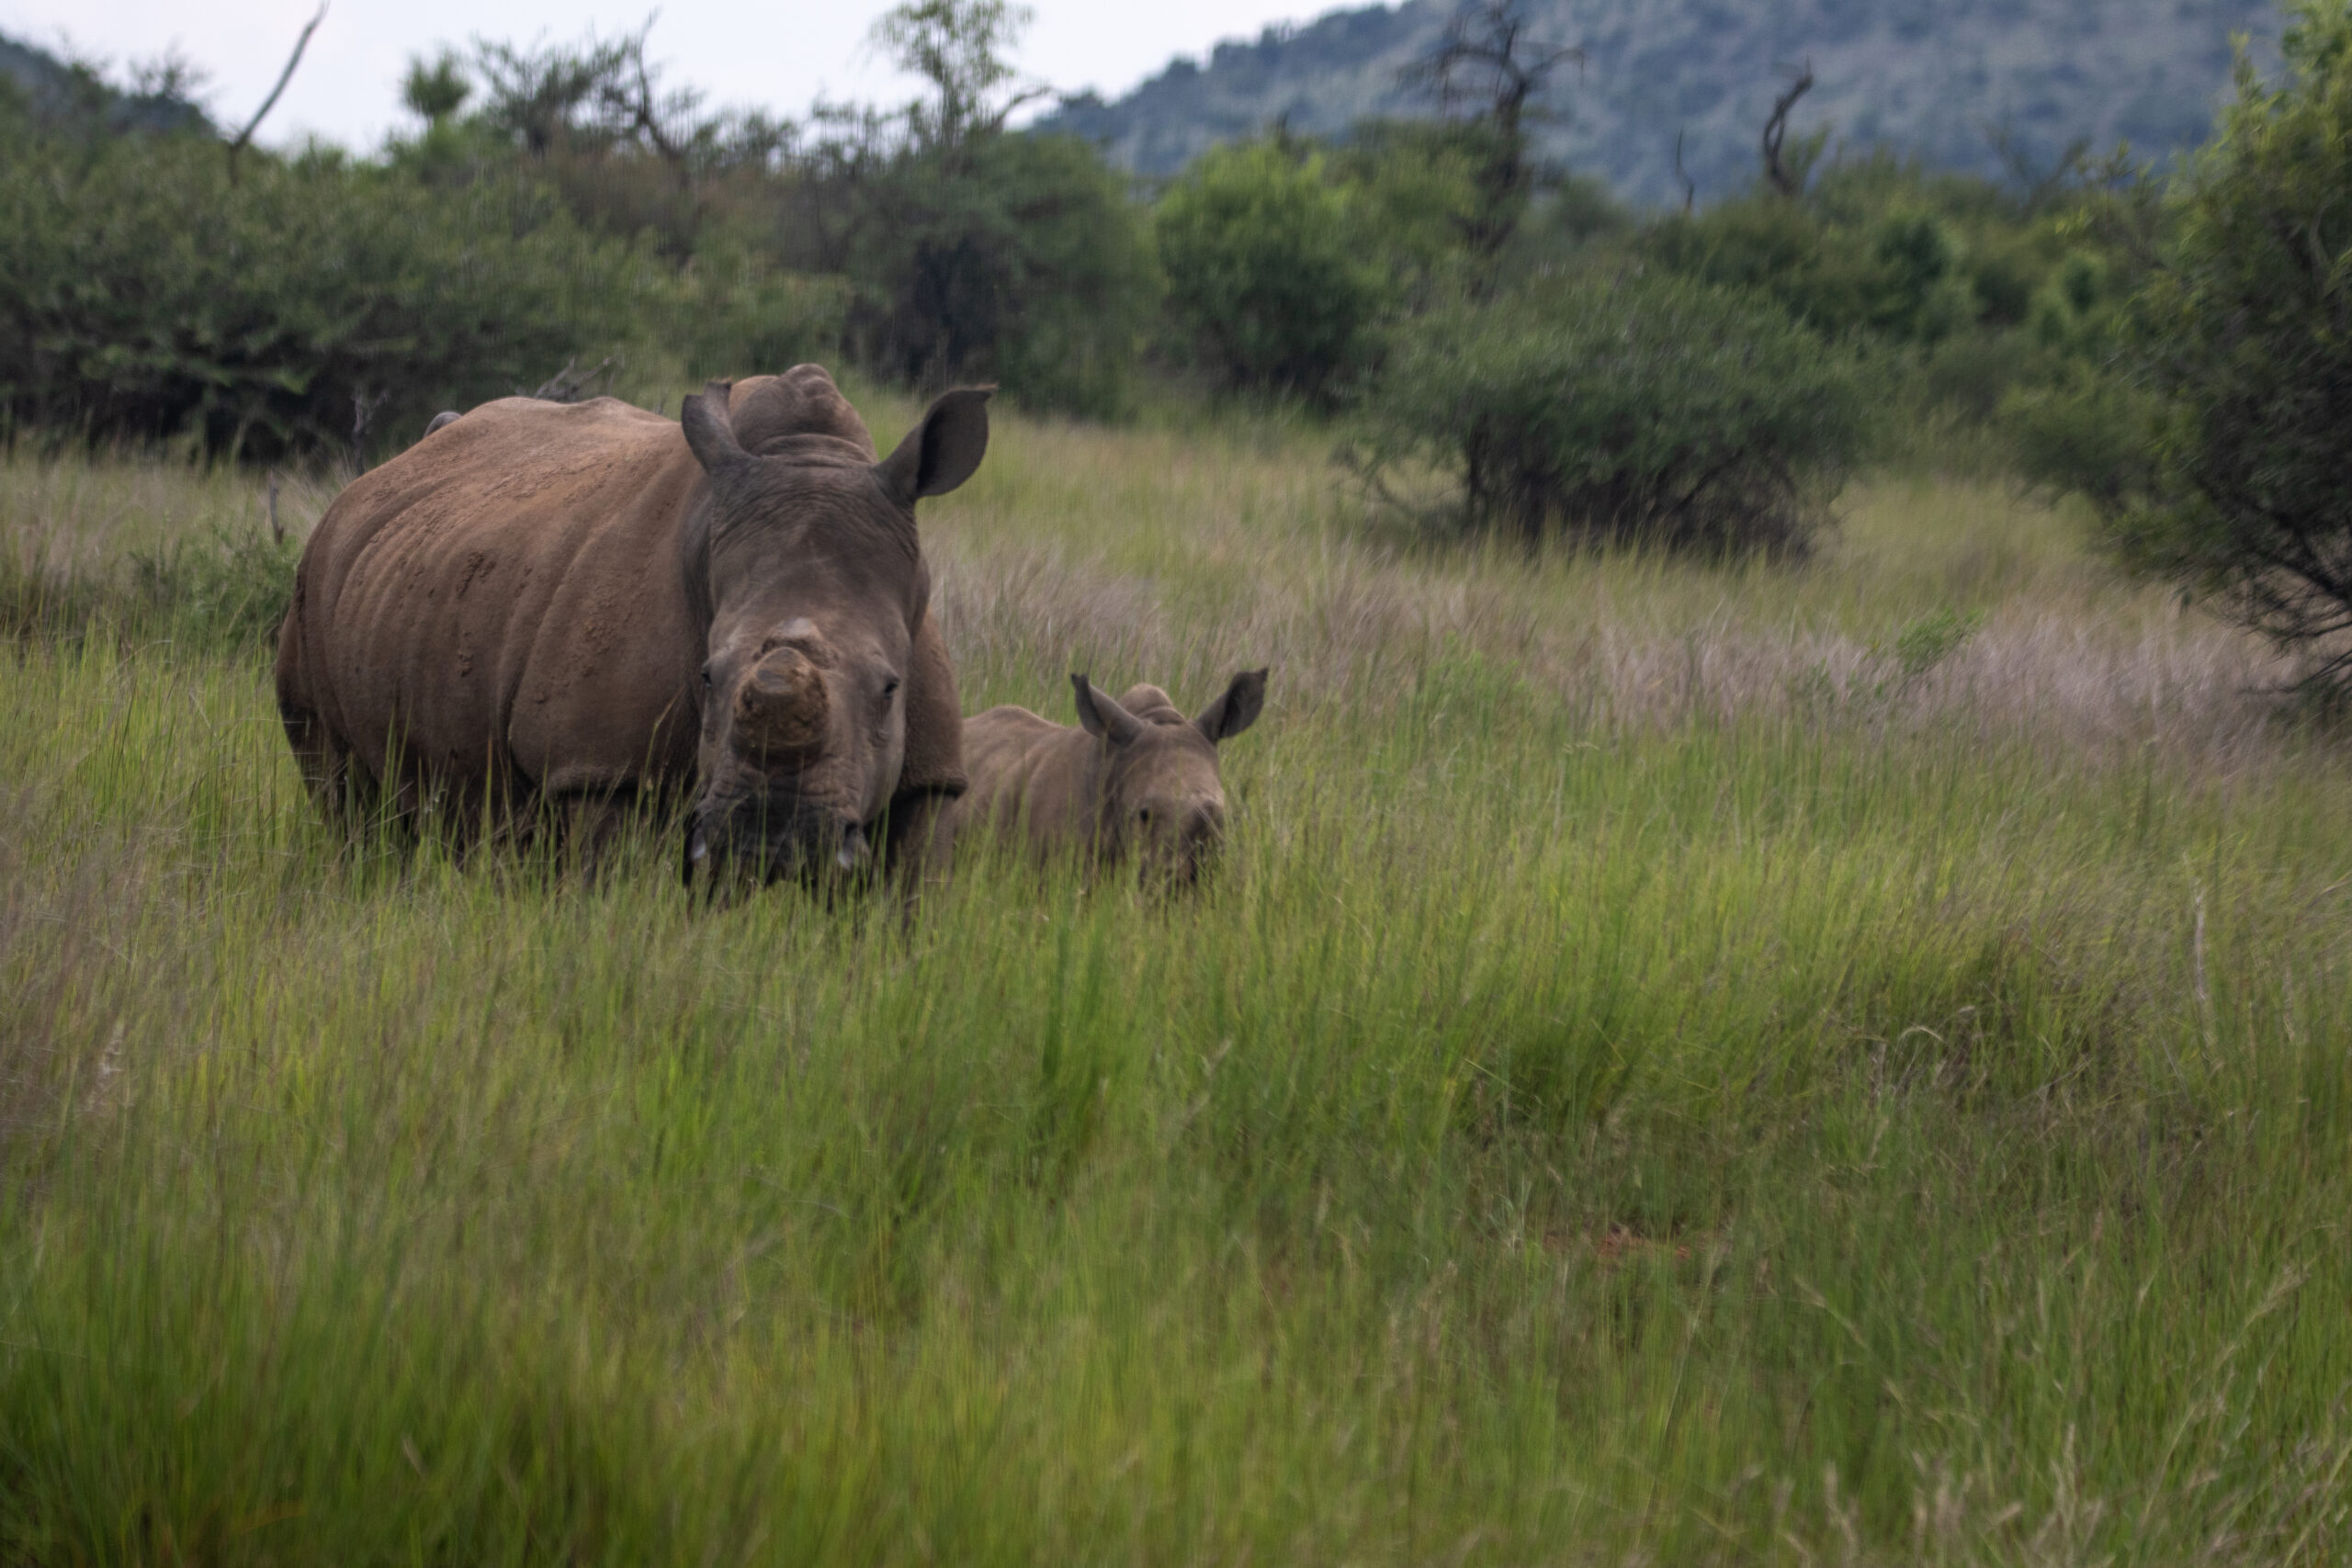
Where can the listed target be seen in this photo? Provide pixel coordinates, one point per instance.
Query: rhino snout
(773, 840)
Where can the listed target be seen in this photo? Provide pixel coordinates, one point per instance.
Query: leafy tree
(1418, 190)
(2244, 344)
(1266, 269)
(1018, 259)
(1413, 190)
(434, 92)
(1918, 293)
(974, 253)
(1489, 76)
(1895, 268)
(961, 48)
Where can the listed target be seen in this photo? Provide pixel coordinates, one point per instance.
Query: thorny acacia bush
(1637, 409)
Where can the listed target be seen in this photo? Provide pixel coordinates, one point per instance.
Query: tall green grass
(1679, 1067)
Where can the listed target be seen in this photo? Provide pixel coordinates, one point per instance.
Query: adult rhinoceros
(543, 604)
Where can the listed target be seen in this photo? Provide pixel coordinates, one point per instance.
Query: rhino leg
(343, 790)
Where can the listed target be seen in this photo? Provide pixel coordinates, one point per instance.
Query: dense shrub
(1635, 409)
(2243, 344)
(145, 294)
(1899, 275)
(1010, 258)
(1266, 273)
(732, 311)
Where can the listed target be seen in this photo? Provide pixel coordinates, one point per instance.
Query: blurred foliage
(2228, 475)
(1270, 278)
(1016, 259)
(1877, 247)
(557, 204)
(221, 590)
(1625, 407)
(145, 295)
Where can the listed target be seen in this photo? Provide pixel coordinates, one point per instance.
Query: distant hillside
(1927, 77)
(56, 90)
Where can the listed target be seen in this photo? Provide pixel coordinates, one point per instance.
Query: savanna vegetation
(1775, 996)
(1709, 1062)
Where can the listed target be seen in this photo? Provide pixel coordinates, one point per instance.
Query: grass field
(1683, 1065)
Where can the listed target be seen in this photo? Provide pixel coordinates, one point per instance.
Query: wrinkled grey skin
(513, 622)
(1135, 781)
(818, 584)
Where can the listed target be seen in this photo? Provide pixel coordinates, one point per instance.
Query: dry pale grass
(1177, 559)
(1180, 557)
(71, 517)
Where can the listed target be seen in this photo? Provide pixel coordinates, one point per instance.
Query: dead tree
(1486, 60)
(635, 106)
(1776, 133)
(243, 139)
(1689, 186)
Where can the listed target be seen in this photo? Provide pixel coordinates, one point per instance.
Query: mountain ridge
(1940, 80)
(54, 88)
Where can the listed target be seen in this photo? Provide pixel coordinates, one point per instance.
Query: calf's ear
(1235, 708)
(1101, 717)
(710, 431)
(942, 451)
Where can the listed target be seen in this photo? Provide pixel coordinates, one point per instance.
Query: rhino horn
(783, 707)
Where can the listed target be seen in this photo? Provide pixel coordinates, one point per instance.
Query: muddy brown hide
(543, 603)
(1134, 780)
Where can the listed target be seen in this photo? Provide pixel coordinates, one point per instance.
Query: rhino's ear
(1235, 709)
(942, 452)
(1102, 718)
(710, 430)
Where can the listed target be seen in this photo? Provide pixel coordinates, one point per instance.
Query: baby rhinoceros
(1135, 781)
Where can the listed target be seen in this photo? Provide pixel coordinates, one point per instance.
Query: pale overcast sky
(775, 56)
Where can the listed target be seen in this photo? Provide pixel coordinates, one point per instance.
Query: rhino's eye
(889, 688)
(705, 677)
(1144, 816)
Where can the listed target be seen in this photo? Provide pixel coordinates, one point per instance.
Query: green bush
(1899, 275)
(733, 312)
(228, 589)
(1017, 259)
(224, 590)
(2243, 347)
(1412, 192)
(1637, 409)
(1268, 278)
(145, 294)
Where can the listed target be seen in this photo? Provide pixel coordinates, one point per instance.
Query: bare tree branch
(1485, 60)
(244, 138)
(1690, 185)
(1776, 132)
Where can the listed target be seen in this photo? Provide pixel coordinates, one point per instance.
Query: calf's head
(808, 562)
(1160, 798)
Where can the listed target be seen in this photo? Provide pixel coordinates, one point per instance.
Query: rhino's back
(1027, 770)
(505, 598)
